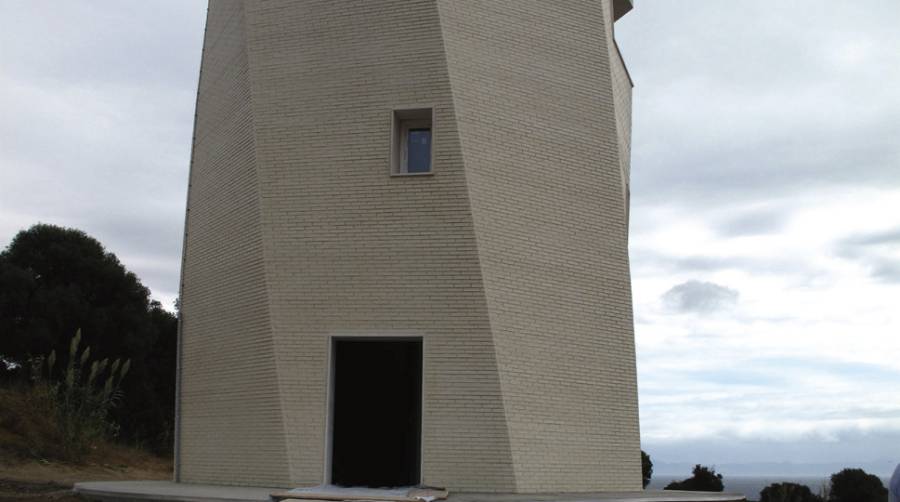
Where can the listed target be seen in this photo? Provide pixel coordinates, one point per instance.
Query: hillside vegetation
(33, 465)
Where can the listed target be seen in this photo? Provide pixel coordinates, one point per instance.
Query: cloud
(644, 259)
(886, 270)
(765, 159)
(877, 252)
(697, 296)
(752, 222)
(889, 237)
(720, 120)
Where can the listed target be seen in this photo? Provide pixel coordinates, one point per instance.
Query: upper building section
(448, 172)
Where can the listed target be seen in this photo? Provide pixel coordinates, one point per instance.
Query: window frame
(402, 120)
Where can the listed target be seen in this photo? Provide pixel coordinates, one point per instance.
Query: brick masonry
(510, 261)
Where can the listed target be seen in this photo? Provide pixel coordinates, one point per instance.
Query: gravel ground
(16, 491)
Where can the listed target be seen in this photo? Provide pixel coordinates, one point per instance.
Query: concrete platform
(128, 491)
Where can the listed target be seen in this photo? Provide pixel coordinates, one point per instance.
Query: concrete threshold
(128, 491)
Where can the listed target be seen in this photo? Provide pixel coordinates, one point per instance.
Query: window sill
(429, 173)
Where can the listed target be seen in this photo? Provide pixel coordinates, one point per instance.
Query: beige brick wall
(352, 250)
(535, 108)
(230, 427)
(622, 85)
(510, 261)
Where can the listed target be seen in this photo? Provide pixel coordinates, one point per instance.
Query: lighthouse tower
(405, 254)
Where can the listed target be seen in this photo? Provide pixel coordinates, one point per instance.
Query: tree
(788, 492)
(855, 485)
(57, 280)
(54, 281)
(646, 468)
(703, 480)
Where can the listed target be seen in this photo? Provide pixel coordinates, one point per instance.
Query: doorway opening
(376, 422)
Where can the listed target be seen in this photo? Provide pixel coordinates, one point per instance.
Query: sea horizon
(751, 484)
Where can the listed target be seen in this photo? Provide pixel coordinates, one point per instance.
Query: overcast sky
(766, 199)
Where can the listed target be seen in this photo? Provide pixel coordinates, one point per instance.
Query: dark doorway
(377, 414)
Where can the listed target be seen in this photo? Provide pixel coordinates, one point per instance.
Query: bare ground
(31, 480)
(31, 465)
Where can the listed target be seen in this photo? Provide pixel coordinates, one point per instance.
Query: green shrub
(80, 403)
(855, 485)
(646, 468)
(788, 492)
(703, 480)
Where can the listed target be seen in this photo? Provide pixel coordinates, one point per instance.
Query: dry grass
(16, 491)
(27, 425)
(34, 467)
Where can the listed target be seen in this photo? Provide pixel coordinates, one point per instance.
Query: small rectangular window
(417, 149)
(412, 142)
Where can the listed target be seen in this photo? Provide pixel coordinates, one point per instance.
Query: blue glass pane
(419, 154)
